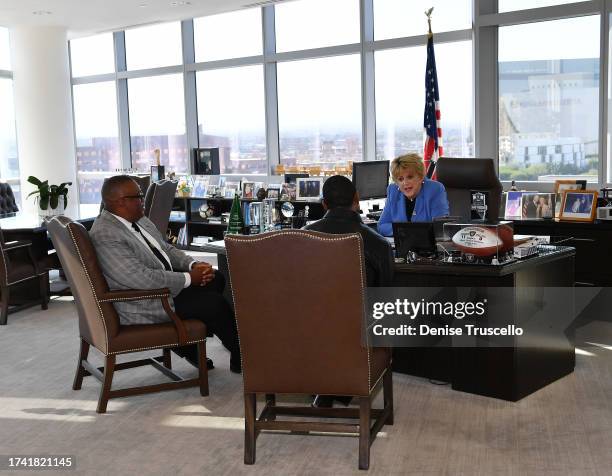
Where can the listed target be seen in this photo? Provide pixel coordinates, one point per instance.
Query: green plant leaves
(48, 195)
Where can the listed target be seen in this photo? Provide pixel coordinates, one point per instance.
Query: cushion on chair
(154, 336)
(7, 200)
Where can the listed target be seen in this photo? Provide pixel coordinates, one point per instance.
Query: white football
(477, 240)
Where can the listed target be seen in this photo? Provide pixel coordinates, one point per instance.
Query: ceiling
(86, 17)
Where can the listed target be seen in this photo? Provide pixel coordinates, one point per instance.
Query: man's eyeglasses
(140, 196)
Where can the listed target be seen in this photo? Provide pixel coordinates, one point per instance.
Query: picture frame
(248, 190)
(513, 206)
(288, 191)
(309, 188)
(200, 185)
(273, 192)
(579, 205)
(537, 205)
(561, 186)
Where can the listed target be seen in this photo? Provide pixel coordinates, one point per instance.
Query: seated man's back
(341, 201)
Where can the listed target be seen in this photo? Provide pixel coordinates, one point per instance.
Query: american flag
(431, 122)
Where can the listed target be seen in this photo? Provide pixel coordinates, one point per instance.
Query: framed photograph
(563, 185)
(537, 205)
(579, 205)
(288, 191)
(513, 205)
(200, 185)
(248, 190)
(309, 188)
(274, 192)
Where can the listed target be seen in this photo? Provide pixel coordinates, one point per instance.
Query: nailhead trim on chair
(320, 238)
(91, 286)
(139, 349)
(135, 298)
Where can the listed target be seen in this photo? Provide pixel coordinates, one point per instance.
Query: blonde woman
(411, 197)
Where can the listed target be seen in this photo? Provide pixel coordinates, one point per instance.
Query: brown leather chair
(18, 266)
(300, 332)
(158, 203)
(99, 323)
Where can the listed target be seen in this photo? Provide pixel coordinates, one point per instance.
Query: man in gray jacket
(134, 255)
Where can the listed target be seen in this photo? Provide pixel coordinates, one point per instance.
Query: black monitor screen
(371, 179)
(414, 236)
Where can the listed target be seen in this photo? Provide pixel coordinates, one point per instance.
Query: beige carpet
(565, 428)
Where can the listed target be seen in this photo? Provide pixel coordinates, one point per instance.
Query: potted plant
(48, 196)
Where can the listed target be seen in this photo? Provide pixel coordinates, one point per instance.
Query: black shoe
(209, 363)
(323, 401)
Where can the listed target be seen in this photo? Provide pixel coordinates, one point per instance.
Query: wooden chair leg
(43, 281)
(388, 394)
(203, 369)
(271, 400)
(80, 371)
(365, 407)
(109, 370)
(250, 409)
(167, 356)
(4, 305)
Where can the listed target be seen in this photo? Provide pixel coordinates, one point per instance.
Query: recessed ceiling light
(180, 3)
(41, 12)
(143, 5)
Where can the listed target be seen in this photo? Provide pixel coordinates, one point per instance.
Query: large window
(229, 35)
(153, 46)
(9, 163)
(157, 121)
(319, 111)
(304, 24)
(400, 99)
(92, 55)
(549, 100)
(511, 5)
(5, 55)
(231, 116)
(398, 18)
(97, 136)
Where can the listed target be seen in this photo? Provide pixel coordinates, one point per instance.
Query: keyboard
(375, 215)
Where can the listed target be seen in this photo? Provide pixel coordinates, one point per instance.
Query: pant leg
(207, 304)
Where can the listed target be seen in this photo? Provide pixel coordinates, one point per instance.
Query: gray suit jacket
(127, 263)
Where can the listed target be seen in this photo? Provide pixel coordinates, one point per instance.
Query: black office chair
(158, 203)
(461, 176)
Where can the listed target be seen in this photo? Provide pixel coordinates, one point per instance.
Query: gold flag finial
(428, 14)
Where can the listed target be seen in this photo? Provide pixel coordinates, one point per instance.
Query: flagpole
(432, 160)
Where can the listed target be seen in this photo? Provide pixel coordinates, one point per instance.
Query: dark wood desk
(508, 373)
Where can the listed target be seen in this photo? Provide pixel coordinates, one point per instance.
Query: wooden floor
(565, 428)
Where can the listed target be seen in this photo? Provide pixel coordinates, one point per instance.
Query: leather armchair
(18, 265)
(8, 205)
(300, 332)
(99, 324)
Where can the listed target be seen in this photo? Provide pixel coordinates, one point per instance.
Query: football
(477, 240)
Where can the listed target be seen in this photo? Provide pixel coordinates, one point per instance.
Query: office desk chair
(158, 203)
(300, 332)
(461, 176)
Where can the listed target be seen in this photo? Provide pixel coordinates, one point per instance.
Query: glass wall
(400, 99)
(231, 116)
(92, 55)
(153, 46)
(549, 100)
(9, 158)
(319, 112)
(97, 136)
(157, 121)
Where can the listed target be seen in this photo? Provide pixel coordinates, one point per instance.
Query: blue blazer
(431, 202)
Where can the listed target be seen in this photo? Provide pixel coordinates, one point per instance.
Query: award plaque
(287, 210)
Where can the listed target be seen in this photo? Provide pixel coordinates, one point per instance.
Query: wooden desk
(509, 373)
(506, 373)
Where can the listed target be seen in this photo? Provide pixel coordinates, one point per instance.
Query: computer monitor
(371, 179)
(418, 237)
